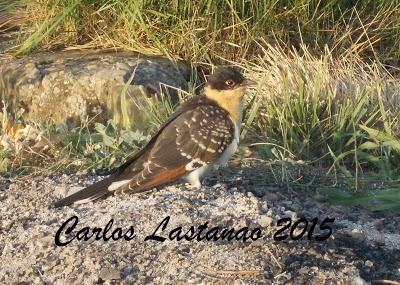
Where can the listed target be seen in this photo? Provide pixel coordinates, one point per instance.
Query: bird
(200, 136)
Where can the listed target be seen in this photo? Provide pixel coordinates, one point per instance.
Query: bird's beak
(247, 82)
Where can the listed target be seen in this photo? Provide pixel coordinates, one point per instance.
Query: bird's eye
(230, 82)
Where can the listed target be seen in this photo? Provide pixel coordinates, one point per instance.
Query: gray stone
(109, 273)
(265, 221)
(73, 87)
(369, 263)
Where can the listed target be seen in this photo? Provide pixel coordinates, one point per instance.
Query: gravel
(364, 246)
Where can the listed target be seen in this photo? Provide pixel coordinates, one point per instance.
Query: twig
(386, 282)
(273, 258)
(234, 272)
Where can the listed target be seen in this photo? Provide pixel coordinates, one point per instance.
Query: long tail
(93, 192)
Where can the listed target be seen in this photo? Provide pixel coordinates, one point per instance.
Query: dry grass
(336, 111)
(208, 31)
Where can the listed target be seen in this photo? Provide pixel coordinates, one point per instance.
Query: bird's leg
(193, 183)
(194, 177)
(193, 187)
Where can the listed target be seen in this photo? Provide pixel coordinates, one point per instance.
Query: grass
(209, 31)
(328, 91)
(339, 112)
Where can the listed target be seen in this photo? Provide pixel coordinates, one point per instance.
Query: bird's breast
(231, 148)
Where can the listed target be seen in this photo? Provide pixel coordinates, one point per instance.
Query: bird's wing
(184, 107)
(192, 137)
(197, 137)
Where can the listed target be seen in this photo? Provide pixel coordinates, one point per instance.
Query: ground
(364, 246)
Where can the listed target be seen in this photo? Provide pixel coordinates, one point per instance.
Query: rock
(128, 271)
(69, 87)
(369, 263)
(304, 270)
(272, 197)
(49, 264)
(265, 221)
(109, 273)
(45, 242)
(357, 234)
(291, 214)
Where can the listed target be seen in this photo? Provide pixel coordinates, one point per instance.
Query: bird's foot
(193, 186)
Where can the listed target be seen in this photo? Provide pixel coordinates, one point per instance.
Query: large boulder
(78, 87)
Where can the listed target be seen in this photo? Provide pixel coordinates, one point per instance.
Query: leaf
(368, 145)
(61, 128)
(392, 143)
(5, 164)
(378, 200)
(383, 137)
(337, 159)
(100, 128)
(78, 139)
(112, 161)
(109, 141)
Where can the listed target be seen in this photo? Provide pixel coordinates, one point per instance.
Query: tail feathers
(93, 192)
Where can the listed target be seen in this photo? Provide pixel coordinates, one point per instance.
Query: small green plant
(377, 200)
(107, 146)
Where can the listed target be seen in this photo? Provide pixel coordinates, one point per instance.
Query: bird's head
(227, 82)
(226, 86)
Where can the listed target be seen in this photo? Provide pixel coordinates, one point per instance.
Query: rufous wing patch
(166, 175)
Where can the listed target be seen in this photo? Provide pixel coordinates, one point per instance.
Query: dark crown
(225, 78)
